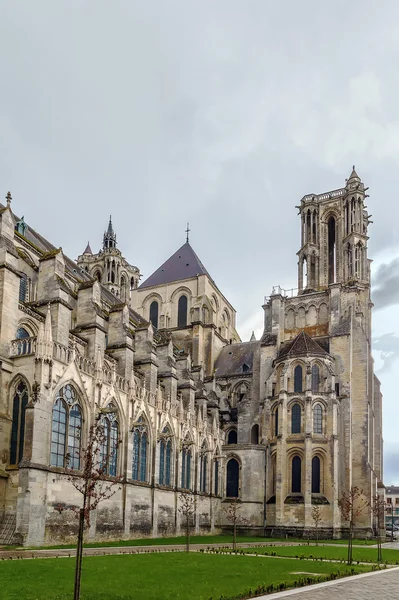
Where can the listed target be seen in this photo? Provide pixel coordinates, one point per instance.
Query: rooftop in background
(393, 490)
(236, 359)
(183, 264)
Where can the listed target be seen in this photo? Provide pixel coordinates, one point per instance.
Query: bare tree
(233, 516)
(187, 509)
(316, 516)
(352, 505)
(378, 507)
(93, 483)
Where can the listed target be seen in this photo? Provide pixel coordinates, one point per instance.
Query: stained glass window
(296, 419)
(318, 419)
(182, 312)
(296, 475)
(298, 379)
(20, 403)
(233, 470)
(315, 475)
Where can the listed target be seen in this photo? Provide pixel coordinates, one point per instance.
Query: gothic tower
(334, 238)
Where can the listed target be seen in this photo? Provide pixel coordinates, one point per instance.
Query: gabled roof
(183, 264)
(301, 345)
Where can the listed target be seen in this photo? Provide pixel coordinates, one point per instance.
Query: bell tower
(334, 238)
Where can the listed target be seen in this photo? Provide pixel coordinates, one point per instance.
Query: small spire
(187, 232)
(354, 175)
(8, 198)
(109, 240)
(253, 338)
(110, 230)
(88, 249)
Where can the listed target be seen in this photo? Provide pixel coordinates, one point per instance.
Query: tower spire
(109, 240)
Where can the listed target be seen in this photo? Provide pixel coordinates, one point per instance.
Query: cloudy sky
(223, 113)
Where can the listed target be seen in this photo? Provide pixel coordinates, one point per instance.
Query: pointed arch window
(20, 402)
(296, 475)
(255, 434)
(232, 436)
(318, 419)
(203, 469)
(182, 312)
(154, 307)
(165, 457)
(25, 345)
(140, 451)
(66, 429)
(315, 379)
(233, 470)
(216, 477)
(186, 468)
(298, 379)
(276, 422)
(315, 475)
(109, 443)
(296, 418)
(23, 288)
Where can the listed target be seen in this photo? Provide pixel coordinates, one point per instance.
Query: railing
(23, 347)
(62, 353)
(326, 196)
(277, 289)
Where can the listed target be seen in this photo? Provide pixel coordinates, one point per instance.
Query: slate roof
(301, 345)
(183, 264)
(392, 489)
(232, 359)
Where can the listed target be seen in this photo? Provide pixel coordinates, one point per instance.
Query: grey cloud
(385, 291)
(391, 464)
(388, 346)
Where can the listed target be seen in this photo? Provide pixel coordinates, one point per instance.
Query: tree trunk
(235, 534)
(79, 555)
(188, 533)
(317, 535)
(350, 544)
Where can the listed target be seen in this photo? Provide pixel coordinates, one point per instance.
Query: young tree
(187, 509)
(93, 483)
(233, 516)
(316, 516)
(378, 507)
(352, 505)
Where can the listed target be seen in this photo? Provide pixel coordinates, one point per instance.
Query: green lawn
(331, 552)
(174, 576)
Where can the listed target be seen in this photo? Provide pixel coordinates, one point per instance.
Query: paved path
(368, 586)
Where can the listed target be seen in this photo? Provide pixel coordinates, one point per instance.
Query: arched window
(20, 403)
(165, 457)
(315, 379)
(109, 443)
(232, 436)
(203, 468)
(140, 451)
(255, 434)
(154, 313)
(186, 468)
(66, 430)
(315, 475)
(25, 345)
(182, 312)
(216, 477)
(318, 419)
(332, 252)
(298, 379)
(296, 475)
(233, 470)
(23, 288)
(132, 283)
(124, 296)
(296, 419)
(276, 422)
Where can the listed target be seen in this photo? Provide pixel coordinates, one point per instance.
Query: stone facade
(284, 423)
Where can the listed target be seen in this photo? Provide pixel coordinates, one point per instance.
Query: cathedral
(284, 423)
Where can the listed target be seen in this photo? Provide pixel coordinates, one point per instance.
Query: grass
(174, 576)
(329, 552)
